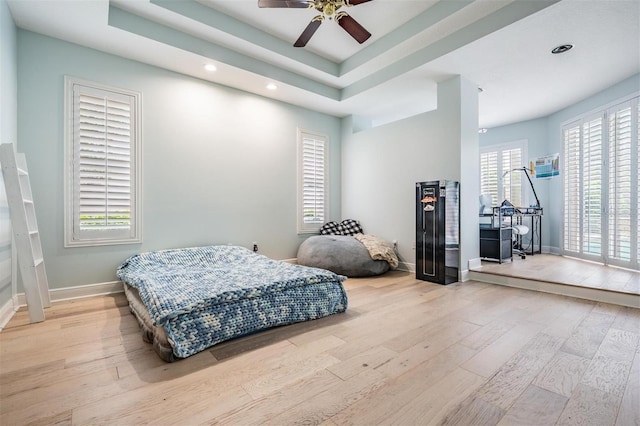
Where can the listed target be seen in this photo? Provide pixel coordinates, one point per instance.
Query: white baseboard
(407, 267)
(551, 250)
(475, 263)
(88, 290)
(6, 312)
(57, 294)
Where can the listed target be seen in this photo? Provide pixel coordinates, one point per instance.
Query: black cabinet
(495, 243)
(438, 231)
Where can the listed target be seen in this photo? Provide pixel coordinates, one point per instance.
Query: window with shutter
(571, 168)
(592, 186)
(495, 162)
(101, 159)
(489, 175)
(601, 186)
(312, 181)
(623, 181)
(512, 182)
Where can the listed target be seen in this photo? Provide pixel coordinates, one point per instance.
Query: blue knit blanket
(205, 295)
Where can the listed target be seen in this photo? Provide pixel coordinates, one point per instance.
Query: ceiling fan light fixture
(328, 9)
(562, 48)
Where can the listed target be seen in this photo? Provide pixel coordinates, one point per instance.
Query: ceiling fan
(328, 9)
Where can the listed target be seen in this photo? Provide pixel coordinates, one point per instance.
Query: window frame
(610, 238)
(521, 144)
(73, 235)
(312, 227)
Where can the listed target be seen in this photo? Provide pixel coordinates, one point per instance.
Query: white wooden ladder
(25, 231)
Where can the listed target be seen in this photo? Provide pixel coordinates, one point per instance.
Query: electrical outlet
(395, 245)
(255, 247)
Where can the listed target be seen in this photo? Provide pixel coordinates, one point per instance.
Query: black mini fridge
(438, 231)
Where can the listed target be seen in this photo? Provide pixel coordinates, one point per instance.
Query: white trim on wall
(310, 145)
(87, 290)
(58, 294)
(7, 311)
(407, 267)
(126, 107)
(475, 263)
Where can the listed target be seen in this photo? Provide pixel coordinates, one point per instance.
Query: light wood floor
(406, 352)
(565, 270)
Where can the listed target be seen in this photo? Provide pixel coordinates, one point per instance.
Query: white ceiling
(501, 45)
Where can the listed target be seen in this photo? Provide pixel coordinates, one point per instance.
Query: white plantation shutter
(512, 182)
(312, 185)
(102, 166)
(592, 186)
(489, 175)
(103, 160)
(601, 186)
(623, 182)
(313, 180)
(495, 160)
(571, 169)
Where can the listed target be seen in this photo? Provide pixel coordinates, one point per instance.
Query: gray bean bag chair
(343, 255)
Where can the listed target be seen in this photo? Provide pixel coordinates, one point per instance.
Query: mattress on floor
(187, 300)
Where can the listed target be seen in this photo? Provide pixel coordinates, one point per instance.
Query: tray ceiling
(503, 46)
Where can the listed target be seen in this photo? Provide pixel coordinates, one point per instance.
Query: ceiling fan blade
(355, 2)
(301, 4)
(308, 32)
(354, 29)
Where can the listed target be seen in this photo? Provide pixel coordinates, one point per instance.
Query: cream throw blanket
(379, 249)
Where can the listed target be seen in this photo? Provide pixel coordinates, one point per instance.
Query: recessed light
(271, 86)
(210, 67)
(561, 49)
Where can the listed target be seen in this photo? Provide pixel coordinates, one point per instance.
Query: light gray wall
(382, 164)
(545, 137)
(8, 134)
(219, 165)
(469, 172)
